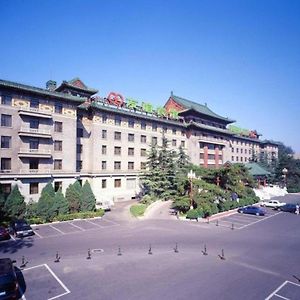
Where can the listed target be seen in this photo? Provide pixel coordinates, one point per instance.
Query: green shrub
(147, 199)
(138, 209)
(80, 215)
(192, 214)
(181, 204)
(35, 220)
(15, 206)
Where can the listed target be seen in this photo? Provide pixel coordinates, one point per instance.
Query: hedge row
(69, 217)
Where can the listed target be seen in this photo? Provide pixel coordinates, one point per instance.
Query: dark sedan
(289, 207)
(252, 210)
(4, 234)
(8, 280)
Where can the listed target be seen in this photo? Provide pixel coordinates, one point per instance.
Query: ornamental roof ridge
(38, 90)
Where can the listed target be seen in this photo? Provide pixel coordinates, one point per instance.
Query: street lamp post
(284, 172)
(191, 175)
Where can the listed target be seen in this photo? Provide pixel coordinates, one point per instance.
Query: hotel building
(66, 133)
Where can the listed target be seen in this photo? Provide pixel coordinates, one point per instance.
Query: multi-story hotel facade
(66, 133)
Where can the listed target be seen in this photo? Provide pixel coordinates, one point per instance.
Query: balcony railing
(32, 111)
(35, 131)
(26, 152)
(5, 171)
(35, 171)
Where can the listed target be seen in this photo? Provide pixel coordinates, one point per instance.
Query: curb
(57, 222)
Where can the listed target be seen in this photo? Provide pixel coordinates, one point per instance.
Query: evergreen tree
(44, 207)
(2, 203)
(15, 205)
(88, 199)
(48, 189)
(60, 205)
(183, 158)
(73, 195)
(31, 209)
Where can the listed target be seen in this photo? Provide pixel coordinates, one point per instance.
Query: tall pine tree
(88, 199)
(15, 206)
(60, 204)
(73, 195)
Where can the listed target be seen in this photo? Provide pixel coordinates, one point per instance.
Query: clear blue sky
(240, 57)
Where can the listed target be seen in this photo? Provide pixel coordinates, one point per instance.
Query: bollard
(57, 257)
(222, 256)
(296, 277)
(204, 252)
(176, 248)
(23, 263)
(217, 223)
(232, 226)
(150, 250)
(119, 251)
(89, 256)
(207, 220)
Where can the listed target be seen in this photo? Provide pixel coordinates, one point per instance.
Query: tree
(60, 204)
(2, 203)
(15, 205)
(48, 189)
(88, 199)
(44, 207)
(31, 209)
(73, 195)
(183, 159)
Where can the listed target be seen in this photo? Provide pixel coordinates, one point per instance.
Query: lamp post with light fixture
(191, 175)
(284, 172)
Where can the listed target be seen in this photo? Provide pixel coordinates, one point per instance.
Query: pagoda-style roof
(76, 85)
(184, 105)
(256, 170)
(209, 128)
(38, 91)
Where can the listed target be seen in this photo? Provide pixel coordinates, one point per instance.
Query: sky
(242, 58)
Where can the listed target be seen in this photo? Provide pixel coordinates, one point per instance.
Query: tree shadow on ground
(11, 246)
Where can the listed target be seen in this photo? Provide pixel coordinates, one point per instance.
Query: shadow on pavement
(12, 246)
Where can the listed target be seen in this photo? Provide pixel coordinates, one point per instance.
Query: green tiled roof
(210, 128)
(39, 91)
(203, 109)
(85, 88)
(256, 170)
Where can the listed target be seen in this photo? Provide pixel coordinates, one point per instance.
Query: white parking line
(76, 226)
(12, 237)
(279, 288)
(38, 234)
(57, 229)
(259, 220)
(94, 223)
(111, 222)
(234, 221)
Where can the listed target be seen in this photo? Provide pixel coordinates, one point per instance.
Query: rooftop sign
(243, 132)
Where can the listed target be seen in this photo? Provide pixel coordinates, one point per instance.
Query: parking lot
(69, 227)
(240, 221)
(288, 291)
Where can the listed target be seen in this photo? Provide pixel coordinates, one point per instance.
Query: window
(117, 183)
(34, 103)
(117, 151)
(232, 158)
(34, 144)
(33, 164)
(211, 156)
(154, 127)
(143, 125)
(57, 185)
(58, 108)
(201, 155)
(6, 188)
(201, 145)
(143, 165)
(130, 123)
(58, 164)
(174, 143)
(104, 149)
(130, 137)
(79, 132)
(103, 183)
(104, 118)
(130, 151)
(130, 165)
(118, 120)
(143, 152)
(182, 144)
(117, 165)
(117, 135)
(6, 100)
(6, 120)
(237, 158)
(130, 183)
(58, 146)
(78, 148)
(182, 133)
(246, 159)
(58, 126)
(241, 150)
(173, 131)
(103, 165)
(5, 142)
(232, 150)
(104, 134)
(154, 140)
(5, 163)
(143, 139)
(78, 165)
(165, 129)
(237, 150)
(33, 188)
(241, 159)
(245, 151)
(34, 124)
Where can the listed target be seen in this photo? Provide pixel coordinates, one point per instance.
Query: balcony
(35, 171)
(5, 171)
(35, 112)
(39, 153)
(36, 132)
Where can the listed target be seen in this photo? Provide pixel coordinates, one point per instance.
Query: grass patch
(138, 210)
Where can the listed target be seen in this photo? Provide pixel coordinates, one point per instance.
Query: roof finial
(205, 104)
(171, 93)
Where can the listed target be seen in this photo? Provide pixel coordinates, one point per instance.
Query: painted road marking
(67, 291)
(94, 223)
(279, 288)
(244, 226)
(76, 226)
(12, 237)
(38, 234)
(116, 224)
(57, 229)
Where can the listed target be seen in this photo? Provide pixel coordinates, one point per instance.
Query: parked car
(272, 203)
(4, 234)
(289, 207)
(20, 228)
(252, 210)
(8, 280)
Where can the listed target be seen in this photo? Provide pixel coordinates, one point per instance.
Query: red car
(4, 235)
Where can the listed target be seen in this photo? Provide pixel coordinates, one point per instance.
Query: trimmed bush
(35, 220)
(192, 214)
(138, 210)
(80, 215)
